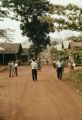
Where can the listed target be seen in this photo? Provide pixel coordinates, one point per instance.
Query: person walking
(16, 68)
(34, 69)
(9, 68)
(73, 65)
(12, 68)
(59, 69)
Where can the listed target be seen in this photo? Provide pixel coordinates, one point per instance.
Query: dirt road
(45, 99)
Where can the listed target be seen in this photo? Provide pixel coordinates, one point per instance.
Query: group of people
(36, 65)
(12, 66)
(58, 65)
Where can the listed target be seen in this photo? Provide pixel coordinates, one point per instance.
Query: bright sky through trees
(11, 24)
(65, 2)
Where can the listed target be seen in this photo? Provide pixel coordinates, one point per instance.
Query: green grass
(75, 78)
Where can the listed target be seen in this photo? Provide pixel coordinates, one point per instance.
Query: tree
(70, 17)
(3, 34)
(3, 14)
(35, 22)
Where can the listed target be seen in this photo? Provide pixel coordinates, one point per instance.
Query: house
(62, 45)
(25, 55)
(65, 44)
(75, 46)
(9, 52)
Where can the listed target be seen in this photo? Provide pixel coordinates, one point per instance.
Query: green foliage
(75, 77)
(34, 51)
(3, 14)
(3, 33)
(6, 34)
(54, 53)
(35, 22)
(72, 17)
(79, 76)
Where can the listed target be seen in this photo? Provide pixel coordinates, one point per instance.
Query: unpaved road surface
(45, 99)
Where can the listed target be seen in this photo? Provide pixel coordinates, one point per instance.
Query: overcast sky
(12, 24)
(65, 2)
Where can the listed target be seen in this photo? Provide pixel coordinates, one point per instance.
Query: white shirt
(73, 64)
(54, 61)
(59, 64)
(16, 64)
(34, 65)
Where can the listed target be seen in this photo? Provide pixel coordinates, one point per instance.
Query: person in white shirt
(9, 68)
(73, 65)
(12, 68)
(16, 66)
(34, 69)
(59, 69)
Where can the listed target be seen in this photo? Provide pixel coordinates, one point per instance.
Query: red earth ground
(45, 99)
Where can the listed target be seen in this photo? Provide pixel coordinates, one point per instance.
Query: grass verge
(75, 78)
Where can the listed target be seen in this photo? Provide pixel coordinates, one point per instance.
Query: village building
(10, 52)
(76, 47)
(25, 55)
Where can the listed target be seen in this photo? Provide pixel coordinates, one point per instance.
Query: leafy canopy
(70, 17)
(35, 21)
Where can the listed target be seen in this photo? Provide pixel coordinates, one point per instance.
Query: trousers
(34, 74)
(59, 73)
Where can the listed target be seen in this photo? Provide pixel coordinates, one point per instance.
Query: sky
(13, 25)
(65, 2)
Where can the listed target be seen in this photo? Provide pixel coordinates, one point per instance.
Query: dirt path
(45, 99)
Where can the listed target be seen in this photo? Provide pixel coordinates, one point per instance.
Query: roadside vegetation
(75, 78)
